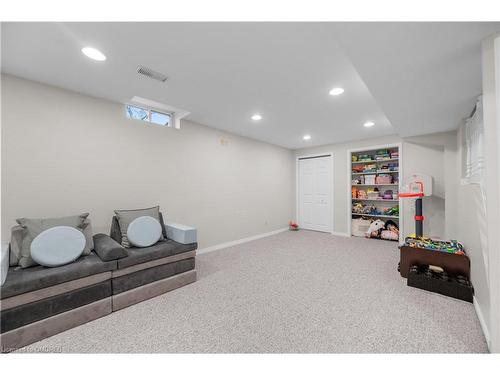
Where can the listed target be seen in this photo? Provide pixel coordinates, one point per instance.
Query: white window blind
(473, 146)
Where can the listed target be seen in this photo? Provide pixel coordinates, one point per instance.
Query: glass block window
(160, 118)
(148, 115)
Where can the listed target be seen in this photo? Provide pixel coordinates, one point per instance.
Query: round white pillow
(144, 231)
(57, 246)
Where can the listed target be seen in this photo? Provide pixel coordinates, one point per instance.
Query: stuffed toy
(373, 230)
(392, 226)
(391, 231)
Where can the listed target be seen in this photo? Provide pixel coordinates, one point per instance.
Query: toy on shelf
(382, 155)
(354, 192)
(383, 179)
(362, 194)
(361, 209)
(357, 168)
(370, 168)
(373, 194)
(357, 208)
(369, 179)
(390, 232)
(365, 157)
(392, 211)
(393, 167)
(388, 194)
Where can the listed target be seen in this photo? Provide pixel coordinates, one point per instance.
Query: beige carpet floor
(297, 292)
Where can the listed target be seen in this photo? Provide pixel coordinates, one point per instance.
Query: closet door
(315, 193)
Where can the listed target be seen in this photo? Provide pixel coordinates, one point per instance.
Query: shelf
(367, 171)
(377, 172)
(375, 200)
(374, 161)
(375, 184)
(384, 216)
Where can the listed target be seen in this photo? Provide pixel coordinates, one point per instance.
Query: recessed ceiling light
(93, 53)
(368, 124)
(256, 117)
(336, 91)
(306, 137)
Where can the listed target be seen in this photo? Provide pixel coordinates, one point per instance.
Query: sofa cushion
(107, 248)
(149, 275)
(35, 311)
(161, 249)
(26, 280)
(125, 217)
(33, 227)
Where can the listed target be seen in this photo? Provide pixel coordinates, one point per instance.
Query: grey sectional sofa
(39, 302)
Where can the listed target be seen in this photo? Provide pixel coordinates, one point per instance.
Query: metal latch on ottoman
(181, 233)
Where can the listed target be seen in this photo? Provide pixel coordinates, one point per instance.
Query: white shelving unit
(358, 174)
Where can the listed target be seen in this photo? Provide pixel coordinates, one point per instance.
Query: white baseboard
(341, 234)
(482, 322)
(240, 241)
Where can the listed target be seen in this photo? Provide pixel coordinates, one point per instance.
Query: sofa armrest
(181, 233)
(4, 262)
(107, 248)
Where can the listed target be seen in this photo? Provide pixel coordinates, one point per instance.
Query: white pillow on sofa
(57, 246)
(144, 231)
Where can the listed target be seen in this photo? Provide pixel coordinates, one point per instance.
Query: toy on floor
(416, 187)
(453, 247)
(439, 281)
(375, 227)
(293, 226)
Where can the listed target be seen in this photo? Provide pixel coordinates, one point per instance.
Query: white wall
(65, 153)
(424, 154)
(491, 102)
(495, 253)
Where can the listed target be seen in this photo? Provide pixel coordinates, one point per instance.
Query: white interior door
(315, 193)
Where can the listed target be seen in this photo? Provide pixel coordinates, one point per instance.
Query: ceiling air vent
(145, 71)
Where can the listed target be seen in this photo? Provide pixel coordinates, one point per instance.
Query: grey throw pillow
(125, 217)
(16, 243)
(33, 227)
(89, 237)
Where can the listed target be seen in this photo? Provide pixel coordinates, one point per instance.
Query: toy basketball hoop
(417, 186)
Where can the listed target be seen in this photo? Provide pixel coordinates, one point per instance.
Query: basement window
(148, 115)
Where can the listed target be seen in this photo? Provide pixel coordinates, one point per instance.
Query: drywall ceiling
(408, 78)
(425, 76)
